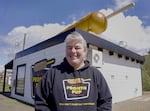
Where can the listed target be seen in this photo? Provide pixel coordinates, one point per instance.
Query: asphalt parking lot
(137, 104)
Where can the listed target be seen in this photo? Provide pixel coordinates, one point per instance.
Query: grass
(7, 87)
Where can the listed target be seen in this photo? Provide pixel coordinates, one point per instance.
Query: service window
(38, 70)
(20, 79)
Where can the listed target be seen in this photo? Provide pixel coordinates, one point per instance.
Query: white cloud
(13, 42)
(128, 29)
(1, 68)
(120, 28)
(147, 30)
(33, 34)
(72, 17)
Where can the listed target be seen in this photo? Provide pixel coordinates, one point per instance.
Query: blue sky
(31, 12)
(41, 17)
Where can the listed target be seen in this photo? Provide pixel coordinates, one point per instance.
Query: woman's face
(75, 54)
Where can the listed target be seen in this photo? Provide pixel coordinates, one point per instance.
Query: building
(120, 67)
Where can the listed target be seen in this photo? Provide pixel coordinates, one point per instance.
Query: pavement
(141, 103)
(10, 104)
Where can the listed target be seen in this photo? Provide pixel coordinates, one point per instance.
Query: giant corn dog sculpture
(96, 21)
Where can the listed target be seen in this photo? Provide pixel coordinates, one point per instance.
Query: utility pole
(24, 40)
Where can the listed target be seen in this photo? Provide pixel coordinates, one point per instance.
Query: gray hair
(76, 36)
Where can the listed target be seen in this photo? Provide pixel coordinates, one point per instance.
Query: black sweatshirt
(64, 89)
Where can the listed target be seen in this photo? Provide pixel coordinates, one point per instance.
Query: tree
(146, 73)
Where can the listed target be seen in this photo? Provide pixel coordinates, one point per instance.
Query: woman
(73, 85)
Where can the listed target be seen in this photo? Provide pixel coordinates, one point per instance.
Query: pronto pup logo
(76, 88)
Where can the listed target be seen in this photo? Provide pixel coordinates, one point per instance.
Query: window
(20, 79)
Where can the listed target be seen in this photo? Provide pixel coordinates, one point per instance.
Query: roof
(9, 65)
(90, 38)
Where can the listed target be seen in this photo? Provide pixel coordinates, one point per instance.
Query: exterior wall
(123, 77)
(57, 51)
